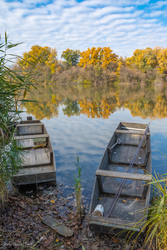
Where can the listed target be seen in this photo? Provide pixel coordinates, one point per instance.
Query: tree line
(96, 65)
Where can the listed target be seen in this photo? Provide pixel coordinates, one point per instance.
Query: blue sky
(122, 25)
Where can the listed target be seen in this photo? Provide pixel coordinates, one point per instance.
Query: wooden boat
(127, 213)
(38, 156)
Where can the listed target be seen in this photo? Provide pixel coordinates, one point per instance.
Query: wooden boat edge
(18, 180)
(147, 200)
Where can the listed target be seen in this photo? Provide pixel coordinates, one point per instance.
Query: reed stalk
(77, 189)
(155, 227)
(14, 85)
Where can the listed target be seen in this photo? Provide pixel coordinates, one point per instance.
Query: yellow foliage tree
(107, 57)
(144, 59)
(162, 59)
(94, 56)
(52, 60)
(39, 55)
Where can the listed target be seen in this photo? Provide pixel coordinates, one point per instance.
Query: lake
(81, 119)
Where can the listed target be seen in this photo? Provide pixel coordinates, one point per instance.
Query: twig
(37, 241)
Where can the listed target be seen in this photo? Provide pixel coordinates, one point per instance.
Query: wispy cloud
(123, 25)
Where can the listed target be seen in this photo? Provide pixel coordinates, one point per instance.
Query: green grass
(77, 189)
(155, 227)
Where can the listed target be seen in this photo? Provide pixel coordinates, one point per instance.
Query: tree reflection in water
(98, 102)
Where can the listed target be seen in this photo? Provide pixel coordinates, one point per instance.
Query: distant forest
(95, 66)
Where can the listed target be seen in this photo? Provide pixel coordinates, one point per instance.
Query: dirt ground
(21, 224)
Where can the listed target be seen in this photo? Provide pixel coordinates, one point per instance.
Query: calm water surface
(81, 119)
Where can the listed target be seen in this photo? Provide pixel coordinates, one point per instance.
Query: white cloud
(154, 14)
(69, 24)
(159, 4)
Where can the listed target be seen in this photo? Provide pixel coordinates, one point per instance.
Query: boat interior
(112, 171)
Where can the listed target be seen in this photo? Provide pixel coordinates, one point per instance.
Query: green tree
(71, 57)
(72, 108)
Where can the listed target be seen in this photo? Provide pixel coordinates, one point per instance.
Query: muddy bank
(21, 224)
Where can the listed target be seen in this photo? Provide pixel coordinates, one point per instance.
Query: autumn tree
(100, 56)
(71, 57)
(162, 59)
(40, 55)
(144, 59)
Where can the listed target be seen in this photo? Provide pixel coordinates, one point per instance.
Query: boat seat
(131, 132)
(22, 137)
(30, 124)
(123, 175)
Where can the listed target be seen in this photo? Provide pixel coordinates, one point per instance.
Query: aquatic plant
(13, 84)
(77, 188)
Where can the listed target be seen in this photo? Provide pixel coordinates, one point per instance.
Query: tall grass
(77, 189)
(155, 227)
(13, 84)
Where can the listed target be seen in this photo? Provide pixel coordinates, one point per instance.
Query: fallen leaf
(124, 200)
(115, 240)
(52, 201)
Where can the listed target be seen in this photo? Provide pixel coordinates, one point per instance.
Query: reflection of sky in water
(88, 138)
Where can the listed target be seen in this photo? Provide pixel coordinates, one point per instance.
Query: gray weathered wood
(29, 124)
(130, 132)
(38, 158)
(140, 129)
(30, 136)
(135, 195)
(130, 176)
(123, 154)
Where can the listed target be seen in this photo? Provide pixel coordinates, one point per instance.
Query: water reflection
(80, 121)
(98, 102)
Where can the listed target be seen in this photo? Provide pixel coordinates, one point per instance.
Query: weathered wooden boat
(120, 181)
(38, 156)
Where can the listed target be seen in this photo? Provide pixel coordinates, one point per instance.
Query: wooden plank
(38, 156)
(113, 224)
(132, 125)
(36, 170)
(32, 143)
(58, 226)
(100, 184)
(30, 136)
(123, 154)
(131, 139)
(28, 129)
(31, 121)
(30, 177)
(129, 209)
(132, 188)
(121, 131)
(128, 128)
(122, 175)
(30, 124)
